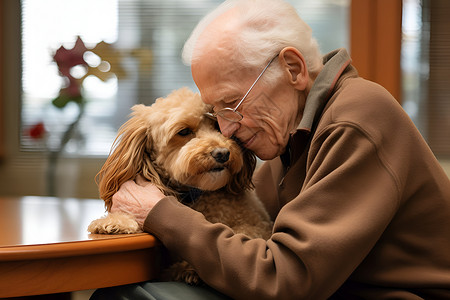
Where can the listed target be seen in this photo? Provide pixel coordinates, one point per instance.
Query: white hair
(261, 29)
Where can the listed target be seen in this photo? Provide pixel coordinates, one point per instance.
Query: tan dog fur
(171, 144)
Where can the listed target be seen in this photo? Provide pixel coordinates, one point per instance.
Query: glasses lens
(229, 115)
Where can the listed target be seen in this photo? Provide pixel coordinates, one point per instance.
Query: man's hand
(136, 198)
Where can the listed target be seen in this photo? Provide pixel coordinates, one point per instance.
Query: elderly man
(361, 207)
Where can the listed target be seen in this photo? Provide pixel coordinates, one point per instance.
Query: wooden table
(45, 248)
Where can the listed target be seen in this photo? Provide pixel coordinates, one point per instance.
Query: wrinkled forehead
(221, 80)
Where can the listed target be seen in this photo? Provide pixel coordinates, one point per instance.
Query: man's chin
(266, 155)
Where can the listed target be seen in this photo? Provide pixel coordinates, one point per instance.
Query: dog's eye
(185, 132)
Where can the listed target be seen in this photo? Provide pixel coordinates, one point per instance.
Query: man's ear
(294, 67)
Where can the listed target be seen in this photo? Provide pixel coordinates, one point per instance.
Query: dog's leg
(115, 223)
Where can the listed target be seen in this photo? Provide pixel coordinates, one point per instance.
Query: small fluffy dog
(174, 145)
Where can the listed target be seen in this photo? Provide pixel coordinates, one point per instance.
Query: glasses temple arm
(249, 90)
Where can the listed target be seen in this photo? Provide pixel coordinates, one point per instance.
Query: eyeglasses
(231, 114)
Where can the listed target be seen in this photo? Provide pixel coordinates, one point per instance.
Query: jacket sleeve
(320, 236)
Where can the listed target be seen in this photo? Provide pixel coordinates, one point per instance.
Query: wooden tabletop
(45, 248)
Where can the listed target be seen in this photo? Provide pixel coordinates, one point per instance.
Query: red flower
(37, 131)
(67, 59)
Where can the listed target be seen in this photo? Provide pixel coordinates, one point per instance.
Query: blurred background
(71, 70)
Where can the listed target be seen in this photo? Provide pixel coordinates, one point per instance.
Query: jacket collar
(335, 63)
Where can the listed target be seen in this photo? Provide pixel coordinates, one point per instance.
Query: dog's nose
(221, 155)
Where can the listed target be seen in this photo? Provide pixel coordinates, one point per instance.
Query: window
(144, 37)
(425, 65)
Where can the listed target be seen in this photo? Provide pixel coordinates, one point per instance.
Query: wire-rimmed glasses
(231, 114)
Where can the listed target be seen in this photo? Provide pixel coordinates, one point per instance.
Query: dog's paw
(115, 223)
(183, 272)
(191, 277)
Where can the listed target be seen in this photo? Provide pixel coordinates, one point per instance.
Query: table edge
(109, 244)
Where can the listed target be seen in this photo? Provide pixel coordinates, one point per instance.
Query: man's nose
(227, 128)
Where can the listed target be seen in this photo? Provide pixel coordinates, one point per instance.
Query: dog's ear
(243, 180)
(127, 156)
(149, 172)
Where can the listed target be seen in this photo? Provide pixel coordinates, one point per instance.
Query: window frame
(375, 41)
